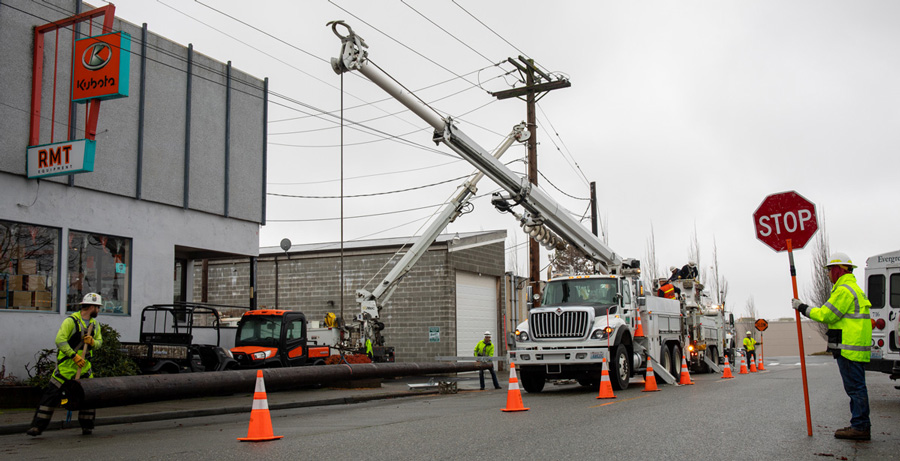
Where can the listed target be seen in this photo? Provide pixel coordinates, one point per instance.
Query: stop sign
(787, 215)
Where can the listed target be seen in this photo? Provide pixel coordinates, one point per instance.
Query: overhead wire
(576, 167)
(445, 31)
(489, 28)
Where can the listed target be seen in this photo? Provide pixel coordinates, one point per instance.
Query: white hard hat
(691, 263)
(673, 268)
(92, 298)
(487, 333)
(749, 333)
(840, 259)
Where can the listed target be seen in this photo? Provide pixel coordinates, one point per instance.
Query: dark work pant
(493, 376)
(854, 377)
(51, 398)
(751, 357)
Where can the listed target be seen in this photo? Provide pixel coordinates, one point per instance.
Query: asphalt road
(758, 416)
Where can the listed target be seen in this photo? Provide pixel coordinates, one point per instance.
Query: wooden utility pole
(537, 84)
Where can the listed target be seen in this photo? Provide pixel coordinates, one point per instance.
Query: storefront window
(28, 266)
(99, 264)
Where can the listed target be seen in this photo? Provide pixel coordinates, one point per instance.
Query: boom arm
(538, 204)
(370, 302)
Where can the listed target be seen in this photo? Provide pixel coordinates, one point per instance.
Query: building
(442, 307)
(175, 177)
(780, 338)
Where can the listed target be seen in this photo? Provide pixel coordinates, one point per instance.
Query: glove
(800, 307)
(79, 361)
(89, 340)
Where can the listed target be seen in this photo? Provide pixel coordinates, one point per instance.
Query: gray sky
(686, 114)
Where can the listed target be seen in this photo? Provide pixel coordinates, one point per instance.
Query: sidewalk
(17, 421)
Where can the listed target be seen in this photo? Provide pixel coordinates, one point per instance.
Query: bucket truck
(583, 321)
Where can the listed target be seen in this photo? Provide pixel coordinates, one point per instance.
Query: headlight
(228, 353)
(599, 334)
(262, 355)
(521, 335)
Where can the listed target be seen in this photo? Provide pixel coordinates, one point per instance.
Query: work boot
(86, 431)
(850, 433)
(34, 432)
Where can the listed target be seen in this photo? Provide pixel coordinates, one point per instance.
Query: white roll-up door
(476, 311)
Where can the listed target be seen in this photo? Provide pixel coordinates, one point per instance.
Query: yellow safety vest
(847, 313)
(749, 344)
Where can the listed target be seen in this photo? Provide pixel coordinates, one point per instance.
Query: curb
(169, 415)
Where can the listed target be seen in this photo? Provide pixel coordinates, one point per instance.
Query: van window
(895, 290)
(876, 291)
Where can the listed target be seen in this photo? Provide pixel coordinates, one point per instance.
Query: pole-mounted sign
(101, 67)
(786, 221)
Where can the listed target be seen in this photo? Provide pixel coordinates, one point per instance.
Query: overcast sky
(686, 114)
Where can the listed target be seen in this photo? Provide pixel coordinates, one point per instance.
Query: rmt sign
(783, 216)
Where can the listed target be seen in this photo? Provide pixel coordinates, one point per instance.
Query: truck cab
(273, 338)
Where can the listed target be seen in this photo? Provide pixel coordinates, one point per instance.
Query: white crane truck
(567, 337)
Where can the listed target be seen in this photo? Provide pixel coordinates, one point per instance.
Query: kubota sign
(101, 67)
(783, 216)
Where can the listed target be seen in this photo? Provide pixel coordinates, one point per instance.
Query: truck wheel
(713, 354)
(620, 368)
(665, 358)
(532, 380)
(675, 370)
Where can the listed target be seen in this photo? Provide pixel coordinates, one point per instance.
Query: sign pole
(790, 250)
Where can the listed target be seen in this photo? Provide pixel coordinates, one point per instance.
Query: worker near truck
(750, 347)
(485, 348)
(849, 339)
(71, 340)
(667, 290)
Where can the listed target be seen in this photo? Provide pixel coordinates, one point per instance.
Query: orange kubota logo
(101, 67)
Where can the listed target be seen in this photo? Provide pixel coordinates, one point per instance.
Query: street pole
(790, 250)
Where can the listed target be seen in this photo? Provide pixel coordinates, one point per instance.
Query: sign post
(784, 221)
(761, 325)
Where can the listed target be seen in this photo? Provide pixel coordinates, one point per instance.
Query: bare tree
(650, 271)
(715, 282)
(750, 309)
(820, 287)
(723, 290)
(694, 254)
(571, 261)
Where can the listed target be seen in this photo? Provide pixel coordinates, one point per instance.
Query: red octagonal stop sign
(783, 216)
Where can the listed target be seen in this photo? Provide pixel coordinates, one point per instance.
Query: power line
(362, 176)
(560, 190)
(556, 133)
(445, 31)
(489, 28)
(373, 194)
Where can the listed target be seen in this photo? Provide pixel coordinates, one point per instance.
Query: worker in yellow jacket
(77, 332)
(485, 348)
(750, 347)
(849, 339)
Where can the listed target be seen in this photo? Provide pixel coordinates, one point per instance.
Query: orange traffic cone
(761, 367)
(743, 366)
(727, 373)
(606, 391)
(650, 379)
(752, 366)
(513, 395)
(260, 429)
(685, 376)
(639, 331)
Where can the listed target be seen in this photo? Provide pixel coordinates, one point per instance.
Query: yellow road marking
(617, 401)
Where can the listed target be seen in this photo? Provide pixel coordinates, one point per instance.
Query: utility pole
(594, 228)
(537, 84)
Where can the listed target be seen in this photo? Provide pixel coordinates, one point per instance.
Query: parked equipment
(274, 338)
(166, 343)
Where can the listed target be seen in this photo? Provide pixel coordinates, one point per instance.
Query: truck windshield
(595, 292)
(258, 330)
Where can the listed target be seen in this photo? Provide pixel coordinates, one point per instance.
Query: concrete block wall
(425, 298)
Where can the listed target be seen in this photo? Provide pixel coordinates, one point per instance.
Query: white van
(883, 290)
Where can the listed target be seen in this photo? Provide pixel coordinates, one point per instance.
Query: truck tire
(665, 358)
(620, 368)
(675, 370)
(713, 354)
(532, 380)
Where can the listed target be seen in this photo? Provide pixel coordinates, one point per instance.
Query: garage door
(476, 311)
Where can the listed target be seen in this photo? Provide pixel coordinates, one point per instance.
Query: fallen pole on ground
(130, 390)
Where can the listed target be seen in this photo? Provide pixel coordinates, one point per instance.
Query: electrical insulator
(539, 232)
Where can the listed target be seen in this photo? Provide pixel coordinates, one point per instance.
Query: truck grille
(567, 324)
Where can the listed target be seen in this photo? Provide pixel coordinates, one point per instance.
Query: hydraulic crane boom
(541, 209)
(371, 302)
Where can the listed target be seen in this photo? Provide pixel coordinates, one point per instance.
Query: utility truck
(883, 291)
(569, 336)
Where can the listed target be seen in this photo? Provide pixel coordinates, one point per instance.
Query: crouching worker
(78, 332)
